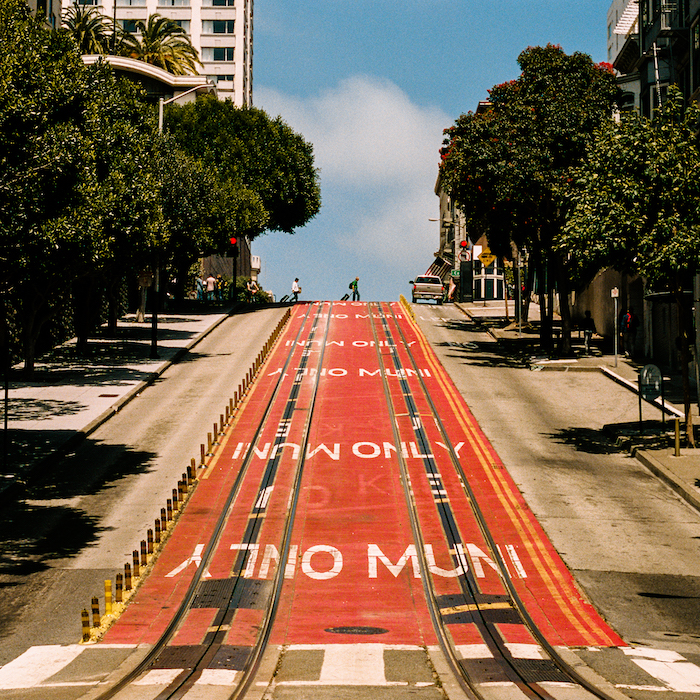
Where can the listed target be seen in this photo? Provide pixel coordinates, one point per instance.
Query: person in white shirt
(295, 289)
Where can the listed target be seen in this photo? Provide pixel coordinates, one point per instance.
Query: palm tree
(90, 29)
(162, 43)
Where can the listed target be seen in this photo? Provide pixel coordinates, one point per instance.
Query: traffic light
(234, 254)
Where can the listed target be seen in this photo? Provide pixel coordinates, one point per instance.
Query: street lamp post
(156, 272)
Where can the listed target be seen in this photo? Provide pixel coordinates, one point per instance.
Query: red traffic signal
(234, 240)
(463, 244)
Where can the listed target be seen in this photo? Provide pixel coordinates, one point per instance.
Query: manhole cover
(356, 630)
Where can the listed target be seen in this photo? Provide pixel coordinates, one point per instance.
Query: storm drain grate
(179, 656)
(539, 671)
(254, 594)
(231, 658)
(356, 630)
(214, 593)
(220, 593)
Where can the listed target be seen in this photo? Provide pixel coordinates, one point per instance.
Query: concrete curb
(683, 489)
(663, 406)
(14, 488)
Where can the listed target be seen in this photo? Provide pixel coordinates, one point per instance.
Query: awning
(628, 18)
(440, 268)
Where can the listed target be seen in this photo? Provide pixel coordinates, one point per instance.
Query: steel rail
(567, 669)
(446, 646)
(147, 662)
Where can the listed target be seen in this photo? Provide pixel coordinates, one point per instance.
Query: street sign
(486, 257)
(650, 380)
(454, 273)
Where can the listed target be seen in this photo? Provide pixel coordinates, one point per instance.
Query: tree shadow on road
(587, 440)
(41, 520)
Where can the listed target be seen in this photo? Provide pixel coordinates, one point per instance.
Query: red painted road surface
(352, 561)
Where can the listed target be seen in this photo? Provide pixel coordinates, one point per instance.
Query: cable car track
(216, 634)
(468, 582)
(413, 415)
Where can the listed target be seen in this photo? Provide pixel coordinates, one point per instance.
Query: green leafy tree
(255, 152)
(505, 168)
(90, 29)
(635, 209)
(202, 211)
(78, 192)
(163, 43)
(44, 174)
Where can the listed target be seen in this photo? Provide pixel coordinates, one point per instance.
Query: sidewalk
(654, 447)
(69, 396)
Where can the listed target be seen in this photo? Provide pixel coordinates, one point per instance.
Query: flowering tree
(508, 168)
(635, 208)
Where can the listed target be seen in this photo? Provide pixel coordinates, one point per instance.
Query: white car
(427, 287)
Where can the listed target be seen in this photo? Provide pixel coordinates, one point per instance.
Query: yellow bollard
(95, 612)
(175, 501)
(221, 422)
(203, 456)
(209, 443)
(144, 553)
(108, 596)
(215, 432)
(127, 577)
(190, 475)
(85, 621)
(135, 563)
(149, 540)
(170, 509)
(157, 532)
(119, 589)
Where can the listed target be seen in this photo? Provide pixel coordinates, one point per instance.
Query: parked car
(427, 287)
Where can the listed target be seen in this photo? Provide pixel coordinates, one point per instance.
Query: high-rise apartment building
(220, 30)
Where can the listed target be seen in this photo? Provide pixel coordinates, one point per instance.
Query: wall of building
(220, 30)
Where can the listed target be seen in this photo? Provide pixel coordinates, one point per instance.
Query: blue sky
(372, 85)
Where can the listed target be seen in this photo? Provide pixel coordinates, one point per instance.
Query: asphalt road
(630, 541)
(81, 524)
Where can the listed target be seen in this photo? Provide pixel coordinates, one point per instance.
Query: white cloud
(378, 156)
(364, 131)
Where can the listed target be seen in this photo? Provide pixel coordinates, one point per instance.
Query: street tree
(634, 208)
(202, 211)
(45, 238)
(91, 30)
(162, 42)
(253, 151)
(504, 167)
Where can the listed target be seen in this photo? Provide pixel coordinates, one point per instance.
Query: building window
(129, 25)
(183, 24)
(223, 26)
(131, 3)
(695, 56)
(173, 3)
(223, 54)
(222, 3)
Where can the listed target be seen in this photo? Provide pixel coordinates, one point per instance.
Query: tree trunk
(563, 284)
(685, 326)
(32, 321)
(112, 291)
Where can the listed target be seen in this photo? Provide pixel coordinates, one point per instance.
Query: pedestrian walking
(252, 289)
(295, 289)
(200, 287)
(628, 330)
(588, 328)
(210, 286)
(355, 290)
